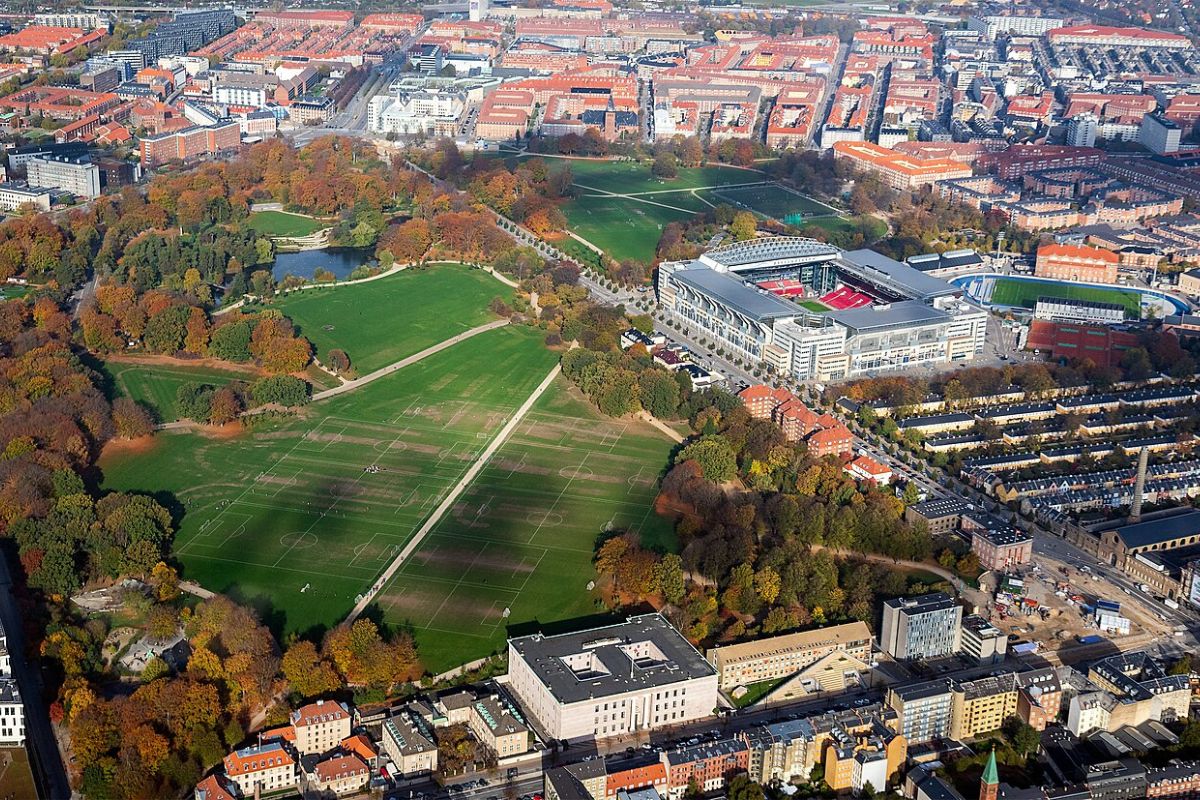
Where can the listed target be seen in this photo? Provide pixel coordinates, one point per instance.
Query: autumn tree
(308, 674)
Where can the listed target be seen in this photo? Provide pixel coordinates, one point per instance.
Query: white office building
(1159, 135)
(15, 195)
(638, 675)
(416, 113)
(79, 176)
(71, 19)
(1082, 130)
(1016, 25)
(921, 627)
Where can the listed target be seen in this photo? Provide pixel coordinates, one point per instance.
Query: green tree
(165, 331)
(912, 494)
(1024, 737)
(194, 401)
(744, 226)
(668, 575)
(665, 165)
(659, 393)
(714, 455)
(286, 390)
(231, 342)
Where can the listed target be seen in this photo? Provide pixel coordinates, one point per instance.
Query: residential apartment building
(780, 656)
(898, 170)
(981, 706)
(637, 675)
(409, 743)
(12, 709)
(704, 765)
(926, 710)
(340, 775)
(261, 769)
(499, 726)
(921, 627)
(320, 726)
(77, 175)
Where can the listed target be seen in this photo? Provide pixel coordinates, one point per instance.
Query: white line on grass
(453, 495)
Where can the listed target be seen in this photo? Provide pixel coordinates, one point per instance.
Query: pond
(340, 261)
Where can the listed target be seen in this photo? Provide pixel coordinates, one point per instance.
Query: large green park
(382, 321)
(621, 207)
(300, 515)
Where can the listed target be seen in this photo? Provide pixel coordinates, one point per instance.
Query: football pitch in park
(380, 322)
(621, 206)
(300, 517)
(772, 200)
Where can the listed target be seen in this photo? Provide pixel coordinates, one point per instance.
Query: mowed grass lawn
(1025, 293)
(522, 536)
(619, 226)
(380, 322)
(155, 384)
(628, 177)
(771, 200)
(281, 223)
(287, 517)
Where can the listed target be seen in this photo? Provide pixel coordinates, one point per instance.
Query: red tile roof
(318, 712)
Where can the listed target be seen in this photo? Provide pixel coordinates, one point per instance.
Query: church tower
(989, 782)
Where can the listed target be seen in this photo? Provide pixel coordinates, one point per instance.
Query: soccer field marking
(615, 196)
(554, 505)
(455, 492)
(331, 508)
(252, 484)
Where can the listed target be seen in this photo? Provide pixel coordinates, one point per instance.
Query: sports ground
(621, 207)
(521, 538)
(1025, 293)
(281, 223)
(772, 200)
(300, 516)
(380, 322)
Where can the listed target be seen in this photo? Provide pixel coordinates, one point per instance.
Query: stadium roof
(737, 295)
(753, 253)
(892, 274)
(897, 315)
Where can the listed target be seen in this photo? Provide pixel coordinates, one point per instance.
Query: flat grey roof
(737, 295)
(613, 671)
(917, 283)
(897, 315)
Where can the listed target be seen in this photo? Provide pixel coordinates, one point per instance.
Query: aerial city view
(600, 400)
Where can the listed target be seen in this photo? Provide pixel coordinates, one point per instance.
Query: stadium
(810, 311)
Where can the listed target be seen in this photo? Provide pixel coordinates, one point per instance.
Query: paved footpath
(453, 495)
(350, 386)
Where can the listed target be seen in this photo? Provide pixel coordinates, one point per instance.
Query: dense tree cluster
(161, 738)
(163, 322)
(356, 655)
